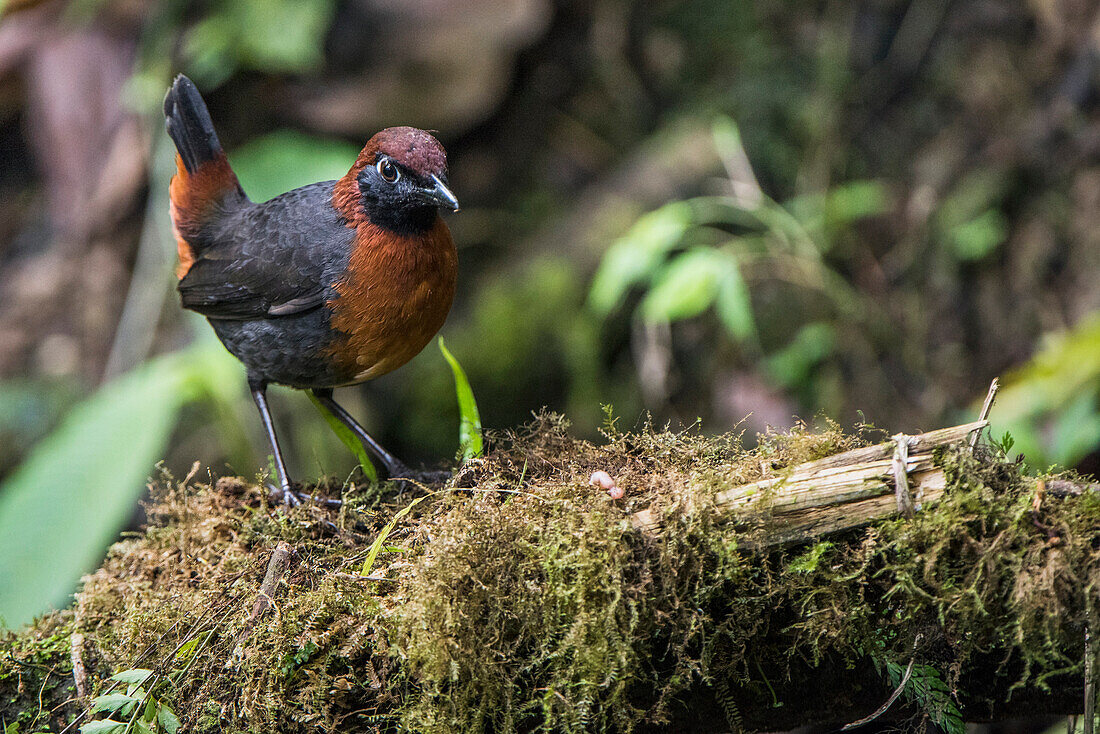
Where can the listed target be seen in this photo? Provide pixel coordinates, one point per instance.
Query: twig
(45, 679)
(986, 407)
(80, 674)
(360, 579)
(899, 468)
(1066, 488)
(277, 568)
(1090, 680)
(893, 696)
(889, 702)
(191, 474)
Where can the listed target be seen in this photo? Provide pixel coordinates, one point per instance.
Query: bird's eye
(388, 171)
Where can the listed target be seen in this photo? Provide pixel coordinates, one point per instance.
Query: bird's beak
(440, 195)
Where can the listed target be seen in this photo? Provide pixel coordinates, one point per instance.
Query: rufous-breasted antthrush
(327, 285)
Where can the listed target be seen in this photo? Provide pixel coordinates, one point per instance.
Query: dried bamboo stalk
(838, 492)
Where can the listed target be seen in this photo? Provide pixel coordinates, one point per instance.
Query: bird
(325, 286)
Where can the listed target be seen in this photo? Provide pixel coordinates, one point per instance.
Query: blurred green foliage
(271, 35)
(28, 410)
(970, 220)
(69, 498)
(286, 159)
(698, 255)
(1051, 404)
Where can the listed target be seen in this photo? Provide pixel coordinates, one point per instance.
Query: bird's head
(401, 180)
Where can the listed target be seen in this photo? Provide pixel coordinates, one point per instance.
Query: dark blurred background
(708, 210)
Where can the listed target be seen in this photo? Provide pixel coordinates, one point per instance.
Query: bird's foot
(434, 476)
(291, 498)
(397, 470)
(283, 492)
(318, 499)
(407, 478)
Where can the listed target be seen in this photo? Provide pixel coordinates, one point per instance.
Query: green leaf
(114, 702)
(292, 661)
(150, 711)
(348, 438)
(980, 236)
(978, 190)
(167, 719)
(927, 688)
(854, 200)
(469, 424)
(65, 503)
(107, 726)
(209, 47)
(133, 676)
(635, 256)
(688, 285)
(791, 365)
(286, 159)
(727, 138)
(14, 727)
(1076, 428)
(376, 546)
(1060, 380)
(188, 647)
(281, 35)
(734, 304)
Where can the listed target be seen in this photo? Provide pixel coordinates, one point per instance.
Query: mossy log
(839, 492)
(517, 597)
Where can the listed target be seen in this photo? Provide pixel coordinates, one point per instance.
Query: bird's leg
(394, 466)
(259, 394)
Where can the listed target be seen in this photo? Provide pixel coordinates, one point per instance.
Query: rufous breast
(393, 298)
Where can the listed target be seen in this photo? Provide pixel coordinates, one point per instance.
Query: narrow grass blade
(469, 426)
(349, 439)
(376, 546)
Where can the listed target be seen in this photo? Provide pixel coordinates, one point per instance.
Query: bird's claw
(291, 498)
(405, 478)
(399, 471)
(285, 493)
(331, 502)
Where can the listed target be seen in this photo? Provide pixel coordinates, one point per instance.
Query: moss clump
(518, 598)
(36, 684)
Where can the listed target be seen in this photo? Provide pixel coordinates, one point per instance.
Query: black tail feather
(189, 124)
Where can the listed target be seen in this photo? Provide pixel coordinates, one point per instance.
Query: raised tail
(204, 186)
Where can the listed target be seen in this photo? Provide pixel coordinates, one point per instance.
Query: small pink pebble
(616, 493)
(601, 479)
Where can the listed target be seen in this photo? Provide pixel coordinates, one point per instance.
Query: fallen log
(838, 492)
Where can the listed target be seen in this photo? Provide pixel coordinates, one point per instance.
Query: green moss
(520, 598)
(36, 674)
